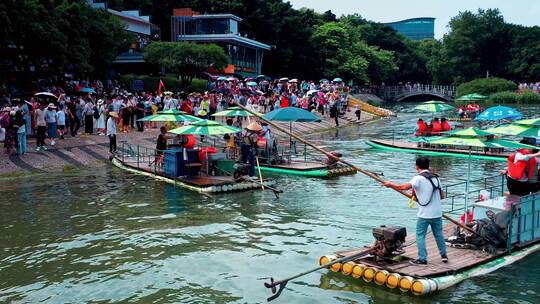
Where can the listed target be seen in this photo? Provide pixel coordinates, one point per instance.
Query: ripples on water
(104, 235)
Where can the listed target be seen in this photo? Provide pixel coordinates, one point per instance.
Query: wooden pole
(260, 174)
(365, 172)
(330, 155)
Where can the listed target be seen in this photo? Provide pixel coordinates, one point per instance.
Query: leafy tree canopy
(185, 59)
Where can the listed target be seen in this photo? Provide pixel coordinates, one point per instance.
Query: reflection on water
(104, 235)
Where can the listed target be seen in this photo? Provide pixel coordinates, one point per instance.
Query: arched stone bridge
(401, 93)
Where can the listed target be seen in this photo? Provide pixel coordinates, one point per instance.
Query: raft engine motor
(388, 241)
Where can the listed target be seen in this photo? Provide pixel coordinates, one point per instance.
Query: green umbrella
(434, 106)
(479, 143)
(170, 115)
(471, 97)
(172, 111)
(516, 130)
(528, 122)
(251, 84)
(205, 127)
(234, 112)
(469, 132)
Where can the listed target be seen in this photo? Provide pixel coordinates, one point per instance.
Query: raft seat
(193, 166)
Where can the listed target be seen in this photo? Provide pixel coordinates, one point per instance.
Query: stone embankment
(91, 150)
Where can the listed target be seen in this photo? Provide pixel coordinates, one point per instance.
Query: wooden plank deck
(414, 146)
(202, 180)
(459, 259)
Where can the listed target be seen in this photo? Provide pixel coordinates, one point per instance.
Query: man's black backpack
(96, 112)
(429, 176)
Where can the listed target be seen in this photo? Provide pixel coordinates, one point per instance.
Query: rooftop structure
(137, 24)
(245, 54)
(415, 28)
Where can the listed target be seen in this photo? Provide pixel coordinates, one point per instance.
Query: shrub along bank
(151, 83)
(486, 86)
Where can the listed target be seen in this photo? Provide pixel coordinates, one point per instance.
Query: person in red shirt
(284, 101)
(187, 106)
(436, 127)
(421, 127)
(445, 125)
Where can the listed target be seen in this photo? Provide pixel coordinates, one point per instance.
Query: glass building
(245, 55)
(415, 28)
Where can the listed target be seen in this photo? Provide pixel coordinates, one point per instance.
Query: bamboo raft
(201, 184)
(436, 275)
(404, 146)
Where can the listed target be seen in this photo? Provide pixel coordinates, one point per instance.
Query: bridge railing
(391, 93)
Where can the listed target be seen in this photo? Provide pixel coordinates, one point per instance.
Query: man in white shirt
(428, 192)
(111, 131)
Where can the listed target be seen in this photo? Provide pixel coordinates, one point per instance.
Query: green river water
(104, 235)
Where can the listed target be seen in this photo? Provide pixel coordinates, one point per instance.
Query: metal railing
(455, 194)
(140, 157)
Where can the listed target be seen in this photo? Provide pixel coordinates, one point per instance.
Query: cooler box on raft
(524, 226)
(174, 164)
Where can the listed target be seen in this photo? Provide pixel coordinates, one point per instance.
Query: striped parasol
(205, 127)
(234, 112)
(434, 106)
(517, 130)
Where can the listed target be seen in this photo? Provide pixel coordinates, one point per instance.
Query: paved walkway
(89, 150)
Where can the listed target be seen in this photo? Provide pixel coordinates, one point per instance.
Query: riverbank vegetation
(71, 37)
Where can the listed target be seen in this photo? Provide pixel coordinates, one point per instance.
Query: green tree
(477, 45)
(185, 59)
(62, 36)
(525, 53)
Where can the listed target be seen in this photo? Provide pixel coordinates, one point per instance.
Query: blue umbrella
(292, 114)
(499, 113)
(88, 90)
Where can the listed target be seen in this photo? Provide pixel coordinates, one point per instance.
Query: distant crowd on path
(70, 109)
(533, 86)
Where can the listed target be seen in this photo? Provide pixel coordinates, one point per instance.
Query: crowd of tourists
(532, 86)
(76, 108)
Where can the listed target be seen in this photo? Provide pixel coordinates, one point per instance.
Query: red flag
(160, 87)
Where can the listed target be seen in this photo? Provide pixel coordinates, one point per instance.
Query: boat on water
(310, 169)
(187, 169)
(386, 263)
(412, 147)
(459, 119)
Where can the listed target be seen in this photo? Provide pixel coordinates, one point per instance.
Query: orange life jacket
(261, 142)
(422, 128)
(446, 126)
(188, 141)
(516, 170)
(436, 127)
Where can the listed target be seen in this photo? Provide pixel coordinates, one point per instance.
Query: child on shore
(61, 121)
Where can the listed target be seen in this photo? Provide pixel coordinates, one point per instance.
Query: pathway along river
(103, 235)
